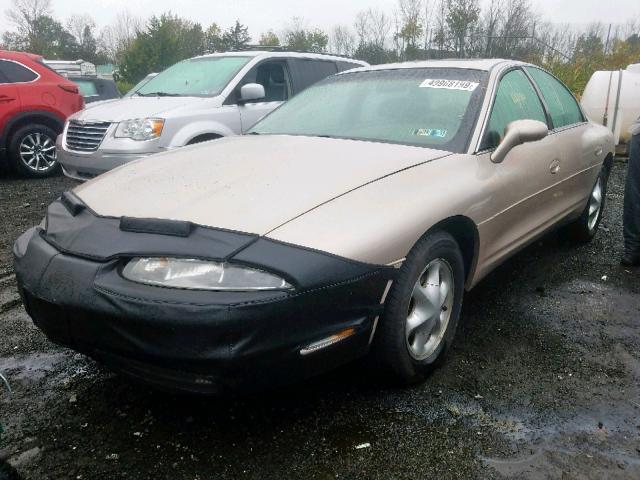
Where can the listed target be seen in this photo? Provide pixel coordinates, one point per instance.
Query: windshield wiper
(158, 94)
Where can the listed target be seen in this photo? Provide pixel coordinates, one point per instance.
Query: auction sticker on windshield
(449, 84)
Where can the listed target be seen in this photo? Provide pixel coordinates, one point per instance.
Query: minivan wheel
(32, 151)
(422, 309)
(585, 228)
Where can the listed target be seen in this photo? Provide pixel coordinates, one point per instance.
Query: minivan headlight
(140, 128)
(194, 274)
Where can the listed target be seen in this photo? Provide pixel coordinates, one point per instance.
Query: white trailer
(612, 99)
(72, 67)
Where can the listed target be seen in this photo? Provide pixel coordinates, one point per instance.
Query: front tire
(584, 228)
(422, 309)
(32, 151)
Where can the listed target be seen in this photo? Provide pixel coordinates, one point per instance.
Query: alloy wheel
(595, 205)
(38, 152)
(430, 309)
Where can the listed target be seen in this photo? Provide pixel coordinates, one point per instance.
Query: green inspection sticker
(430, 132)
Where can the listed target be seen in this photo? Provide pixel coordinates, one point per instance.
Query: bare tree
(77, 26)
(491, 21)
(117, 37)
(441, 33)
(430, 8)
(380, 27)
(631, 27)
(26, 14)
(372, 27)
(342, 41)
(516, 29)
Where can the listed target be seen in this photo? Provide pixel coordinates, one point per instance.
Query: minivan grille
(85, 136)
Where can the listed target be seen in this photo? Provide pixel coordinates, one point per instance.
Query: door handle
(554, 167)
(4, 98)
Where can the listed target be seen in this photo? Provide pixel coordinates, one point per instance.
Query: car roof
(11, 55)
(280, 54)
(474, 64)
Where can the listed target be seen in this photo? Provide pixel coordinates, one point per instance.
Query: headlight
(195, 274)
(140, 128)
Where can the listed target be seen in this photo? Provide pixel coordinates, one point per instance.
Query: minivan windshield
(138, 86)
(429, 107)
(196, 77)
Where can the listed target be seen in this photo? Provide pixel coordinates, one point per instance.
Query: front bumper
(87, 165)
(205, 342)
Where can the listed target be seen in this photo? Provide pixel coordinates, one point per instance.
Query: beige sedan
(350, 219)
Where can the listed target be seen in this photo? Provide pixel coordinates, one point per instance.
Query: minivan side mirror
(251, 92)
(517, 133)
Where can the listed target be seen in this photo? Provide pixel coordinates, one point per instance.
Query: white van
(196, 100)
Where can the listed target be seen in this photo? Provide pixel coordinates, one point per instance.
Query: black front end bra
(69, 274)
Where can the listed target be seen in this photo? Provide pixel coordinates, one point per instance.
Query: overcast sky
(261, 15)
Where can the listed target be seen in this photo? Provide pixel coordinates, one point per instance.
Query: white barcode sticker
(450, 84)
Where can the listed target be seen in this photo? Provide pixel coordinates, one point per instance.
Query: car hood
(100, 103)
(251, 184)
(140, 107)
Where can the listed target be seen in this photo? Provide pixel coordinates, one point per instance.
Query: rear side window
(516, 99)
(87, 88)
(306, 72)
(16, 73)
(562, 106)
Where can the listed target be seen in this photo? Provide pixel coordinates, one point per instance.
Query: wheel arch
(31, 117)
(203, 137)
(465, 233)
(185, 134)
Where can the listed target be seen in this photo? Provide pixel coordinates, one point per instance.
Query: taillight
(67, 87)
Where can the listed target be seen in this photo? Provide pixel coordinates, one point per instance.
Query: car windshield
(429, 107)
(137, 86)
(196, 77)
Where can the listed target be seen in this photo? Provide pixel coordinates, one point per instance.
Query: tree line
(414, 30)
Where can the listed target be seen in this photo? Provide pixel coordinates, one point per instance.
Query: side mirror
(517, 133)
(251, 92)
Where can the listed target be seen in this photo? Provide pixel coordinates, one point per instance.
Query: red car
(35, 101)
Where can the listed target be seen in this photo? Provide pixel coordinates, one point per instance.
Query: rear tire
(585, 228)
(422, 310)
(32, 151)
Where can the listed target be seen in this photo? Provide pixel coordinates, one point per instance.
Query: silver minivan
(196, 100)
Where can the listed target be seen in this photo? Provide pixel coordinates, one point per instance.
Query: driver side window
(273, 76)
(516, 99)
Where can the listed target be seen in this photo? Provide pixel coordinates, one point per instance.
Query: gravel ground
(543, 382)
